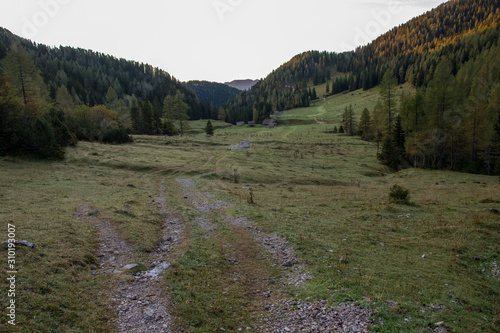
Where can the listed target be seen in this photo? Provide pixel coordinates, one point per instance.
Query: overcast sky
(214, 40)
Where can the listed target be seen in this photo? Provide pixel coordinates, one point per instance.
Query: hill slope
(411, 50)
(215, 93)
(88, 75)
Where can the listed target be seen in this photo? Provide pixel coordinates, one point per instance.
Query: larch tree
(111, 99)
(175, 109)
(221, 115)
(26, 79)
(440, 95)
(388, 97)
(64, 100)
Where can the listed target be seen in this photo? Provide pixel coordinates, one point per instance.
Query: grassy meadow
(436, 259)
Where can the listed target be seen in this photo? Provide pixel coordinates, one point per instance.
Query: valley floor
(293, 234)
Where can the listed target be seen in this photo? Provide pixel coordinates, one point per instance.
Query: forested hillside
(53, 96)
(213, 93)
(450, 57)
(458, 29)
(88, 75)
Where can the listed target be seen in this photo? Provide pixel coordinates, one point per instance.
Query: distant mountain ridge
(242, 84)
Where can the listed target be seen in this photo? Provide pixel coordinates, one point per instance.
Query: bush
(168, 128)
(115, 135)
(399, 195)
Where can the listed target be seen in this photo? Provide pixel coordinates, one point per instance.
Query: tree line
(453, 122)
(53, 97)
(35, 122)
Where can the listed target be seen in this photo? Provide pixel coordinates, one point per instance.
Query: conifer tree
(439, 95)
(349, 121)
(111, 99)
(135, 115)
(27, 81)
(147, 115)
(399, 136)
(365, 124)
(221, 115)
(388, 97)
(64, 100)
(168, 127)
(209, 128)
(175, 109)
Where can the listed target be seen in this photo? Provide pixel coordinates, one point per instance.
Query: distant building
(266, 122)
(251, 123)
(269, 122)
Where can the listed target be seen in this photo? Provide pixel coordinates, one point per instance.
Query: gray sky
(214, 40)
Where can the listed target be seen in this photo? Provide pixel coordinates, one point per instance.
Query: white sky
(214, 40)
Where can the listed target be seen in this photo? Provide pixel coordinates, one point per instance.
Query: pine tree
(389, 154)
(314, 94)
(399, 136)
(209, 129)
(147, 115)
(349, 121)
(365, 124)
(135, 115)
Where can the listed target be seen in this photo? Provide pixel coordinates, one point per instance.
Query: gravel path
(283, 315)
(141, 301)
(302, 316)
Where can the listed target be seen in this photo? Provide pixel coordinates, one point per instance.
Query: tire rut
(255, 253)
(140, 299)
(275, 312)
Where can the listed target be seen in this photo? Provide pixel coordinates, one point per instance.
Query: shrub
(399, 195)
(168, 128)
(115, 135)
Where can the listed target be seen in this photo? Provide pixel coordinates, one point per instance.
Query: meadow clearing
(436, 259)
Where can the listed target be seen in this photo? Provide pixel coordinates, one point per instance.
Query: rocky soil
(140, 298)
(302, 316)
(141, 302)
